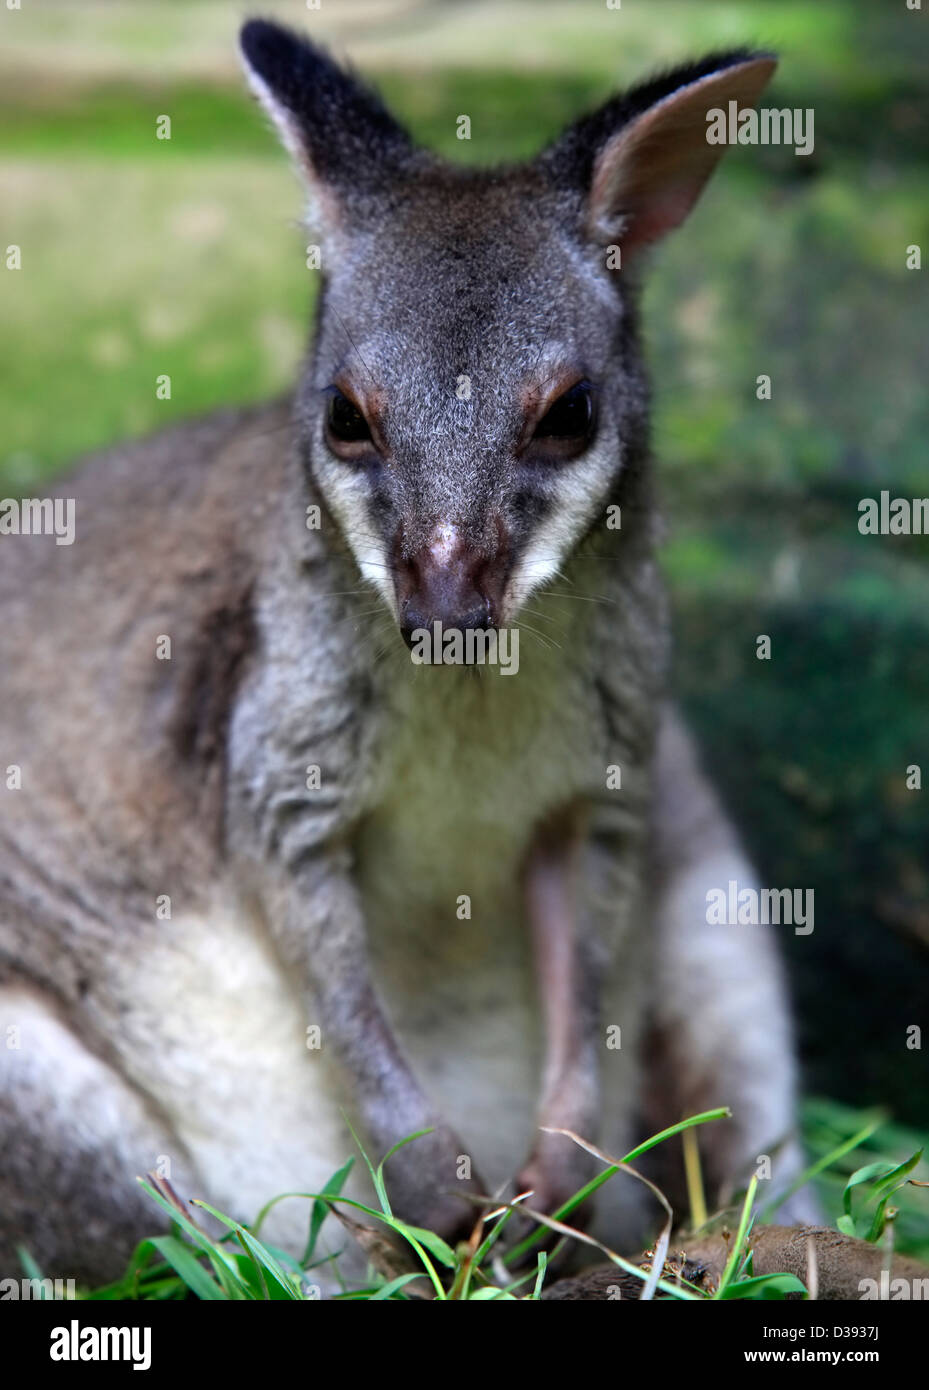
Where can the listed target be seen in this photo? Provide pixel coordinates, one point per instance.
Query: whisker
(345, 593)
(546, 617)
(544, 638)
(583, 598)
(354, 344)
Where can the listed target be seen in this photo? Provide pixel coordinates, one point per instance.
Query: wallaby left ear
(646, 156)
(341, 136)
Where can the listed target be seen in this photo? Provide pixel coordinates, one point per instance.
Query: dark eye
(570, 418)
(345, 421)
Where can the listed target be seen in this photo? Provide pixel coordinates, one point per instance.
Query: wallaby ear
(338, 131)
(645, 157)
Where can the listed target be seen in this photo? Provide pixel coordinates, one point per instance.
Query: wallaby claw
(424, 1185)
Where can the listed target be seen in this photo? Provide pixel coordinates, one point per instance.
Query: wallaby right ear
(338, 131)
(642, 160)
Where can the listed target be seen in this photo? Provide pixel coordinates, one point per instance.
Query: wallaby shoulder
(123, 652)
(179, 504)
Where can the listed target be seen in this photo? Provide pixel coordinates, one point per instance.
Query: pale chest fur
(469, 764)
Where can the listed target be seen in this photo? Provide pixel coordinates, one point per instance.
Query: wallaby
(262, 873)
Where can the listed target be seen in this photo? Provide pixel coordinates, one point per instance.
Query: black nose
(447, 581)
(417, 614)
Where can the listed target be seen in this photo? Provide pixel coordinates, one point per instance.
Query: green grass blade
(30, 1268)
(820, 1166)
(540, 1276)
(223, 1267)
(737, 1254)
(387, 1290)
(896, 1176)
(765, 1286)
(376, 1181)
(862, 1175)
(706, 1116)
(379, 1184)
(321, 1208)
(433, 1243)
(181, 1259)
(264, 1261)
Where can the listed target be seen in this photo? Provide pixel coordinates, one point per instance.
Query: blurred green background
(142, 256)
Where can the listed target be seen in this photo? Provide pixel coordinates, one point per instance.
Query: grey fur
(292, 906)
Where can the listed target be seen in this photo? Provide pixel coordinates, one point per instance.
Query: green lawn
(143, 255)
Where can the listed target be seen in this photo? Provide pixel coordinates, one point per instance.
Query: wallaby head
(475, 395)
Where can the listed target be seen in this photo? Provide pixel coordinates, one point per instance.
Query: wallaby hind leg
(73, 1138)
(720, 1029)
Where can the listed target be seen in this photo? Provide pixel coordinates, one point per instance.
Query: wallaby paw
(426, 1183)
(554, 1173)
(551, 1190)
